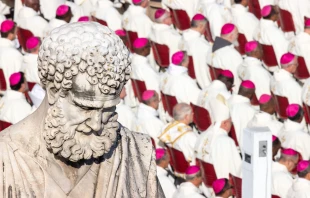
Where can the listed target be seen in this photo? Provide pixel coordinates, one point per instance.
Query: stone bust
(72, 145)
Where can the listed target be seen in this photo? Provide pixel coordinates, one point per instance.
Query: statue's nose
(94, 122)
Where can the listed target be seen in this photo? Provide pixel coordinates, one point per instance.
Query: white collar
(282, 74)
(266, 23)
(238, 9)
(105, 4)
(191, 34)
(236, 98)
(161, 26)
(161, 171)
(148, 109)
(139, 60)
(27, 12)
(4, 42)
(134, 10)
(11, 94)
(291, 126)
(176, 69)
(276, 166)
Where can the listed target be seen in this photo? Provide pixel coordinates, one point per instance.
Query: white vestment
(165, 182)
(176, 82)
(107, 12)
(126, 117)
(282, 180)
(215, 147)
(284, 84)
(188, 190)
(2, 18)
(253, 70)
(241, 112)
(294, 136)
(76, 10)
(30, 66)
(54, 23)
(197, 46)
(4, 9)
(190, 6)
(10, 59)
(263, 119)
(166, 35)
(245, 21)
(304, 8)
(48, 7)
(30, 20)
(269, 33)
(14, 107)
(293, 8)
(306, 92)
(87, 6)
(37, 95)
(136, 20)
(149, 123)
(181, 137)
(299, 189)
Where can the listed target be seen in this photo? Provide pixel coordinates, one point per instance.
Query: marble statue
(72, 145)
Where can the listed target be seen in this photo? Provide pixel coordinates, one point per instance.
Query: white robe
(293, 8)
(14, 107)
(181, 137)
(54, 23)
(30, 66)
(149, 123)
(252, 69)
(136, 20)
(263, 119)
(30, 20)
(215, 147)
(299, 189)
(282, 180)
(107, 12)
(2, 18)
(165, 182)
(306, 92)
(76, 10)
(294, 136)
(190, 6)
(10, 59)
(245, 21)
(37, 95)
(166, 35)
(188, 190)
(197, 46)
(176, 82)
(87, 6)
(48, 7)
(4, 9)
(304, 8)
(241, 112)
(269, 33)
(284, 84)
(126, 117)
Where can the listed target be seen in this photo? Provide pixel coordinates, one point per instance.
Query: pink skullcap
(227, 73)
(248, 84)
(264, 98)
(160, 153)
(289, 151)
(266, 10)
(160, 12)
(120, 32)
(198, 17)
(140, 42)
(274, 138)
(307, 23)
(192, 170)
(250, 46)
(32, 42)
(302, 165)
(177, 57)
(136, 1)
(15, 78)
(84, 18)
(148, 94)
(62, 10)
(7, 25)
(227, 28)
(218, 185)
(292, 110)
(287, 58)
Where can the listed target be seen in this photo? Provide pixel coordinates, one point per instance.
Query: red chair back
(286, 21)
(202, 117)
(233, 135)
(302, 70)
(102, 22)
(179, 161)
(254, 8)
(269, 57)
(31, 85)
(275, 196)
(236, 182)
(214, 72)
(242, 41)
(153, 143)
(306, 113)
(180, 19)
(281, 105)
(4, 125)
(191, 69)
(131, 37)
(208, 34)
(169, 102)
(170, 156)
(254, 100)
(138, 88)
(23, 35)
(161, 54)
(208, 173)
(2, 81)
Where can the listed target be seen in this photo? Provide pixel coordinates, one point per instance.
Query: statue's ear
(52, 93)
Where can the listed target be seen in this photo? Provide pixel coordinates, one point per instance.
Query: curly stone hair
(86, 47)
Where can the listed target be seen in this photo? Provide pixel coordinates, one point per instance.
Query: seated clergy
(13, 105)
(283, 82)
(215, 146)
(190, 188)
(176, 81)
(266, 116)
(276, 146)
(178, 134)
(162, 162)
(282, 179)
(293, 134)
(148, 117)
(301, 186)
(222, 188)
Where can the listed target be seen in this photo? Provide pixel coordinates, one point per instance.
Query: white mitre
(219, 109)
